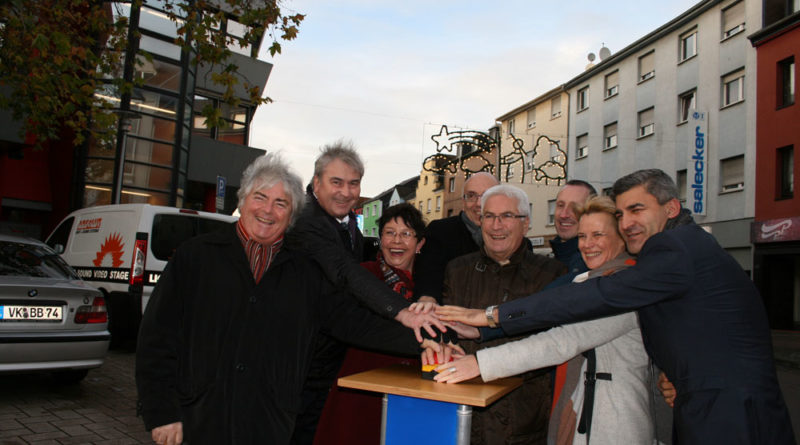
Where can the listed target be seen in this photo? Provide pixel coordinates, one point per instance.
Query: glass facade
(149, 160)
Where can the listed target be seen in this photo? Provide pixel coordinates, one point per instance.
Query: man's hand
(423, 305)
(171, 434)
(465, 331)
(667, 389)
(419, 321)
(462, 369)
(472, 317)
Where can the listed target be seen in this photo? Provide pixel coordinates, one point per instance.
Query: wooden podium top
(407, 381)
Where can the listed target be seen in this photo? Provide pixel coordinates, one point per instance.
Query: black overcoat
(228, 357)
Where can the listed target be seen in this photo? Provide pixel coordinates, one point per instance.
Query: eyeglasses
(472, 196)
(405, 235)
(503, 217)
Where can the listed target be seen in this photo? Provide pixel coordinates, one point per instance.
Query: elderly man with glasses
(502, 270)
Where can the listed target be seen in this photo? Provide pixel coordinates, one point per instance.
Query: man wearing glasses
(505, 269)
(449, 238)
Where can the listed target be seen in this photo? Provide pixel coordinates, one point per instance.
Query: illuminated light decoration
(476, 156)
(476, 147)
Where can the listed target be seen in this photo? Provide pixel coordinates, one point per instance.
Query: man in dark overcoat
(227, 338)
(703, 321)
(326, 232)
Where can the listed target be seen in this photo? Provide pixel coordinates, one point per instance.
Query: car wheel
(70, 376)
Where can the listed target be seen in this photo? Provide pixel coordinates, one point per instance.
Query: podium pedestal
(423, 411)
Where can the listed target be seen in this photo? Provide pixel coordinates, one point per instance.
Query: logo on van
(112, 245)
(89, 225)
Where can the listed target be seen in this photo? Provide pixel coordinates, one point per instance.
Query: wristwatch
(490, 316)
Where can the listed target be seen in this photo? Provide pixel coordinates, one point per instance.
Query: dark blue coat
(703, 323)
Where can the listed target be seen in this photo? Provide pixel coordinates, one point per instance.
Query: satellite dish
(604, 52)
(590, 57)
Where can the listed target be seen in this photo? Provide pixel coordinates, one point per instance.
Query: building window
(555, 107)
(425, 180)
(420, 206)
(686, 102)
(555, 153)
(374, 231)
(786, 81)
(366, 212)
(612, 84)
(732, 174)
(733, 20)
(531, 118)
(794, 6)
(429, 205)
(583, 98)
(529, 162)
(680, 181)
(375, 210)
(438, 203)
(511, 127)
(610, 136)
(733, 88)
(582, 144)
(551, 212)
(646, 124)
(452, 185)
(688, 45)
(785, 175)
(449, 212)
(647, 66)
(510, 172)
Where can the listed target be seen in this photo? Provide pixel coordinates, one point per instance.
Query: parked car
(50, 320)
(122, 249)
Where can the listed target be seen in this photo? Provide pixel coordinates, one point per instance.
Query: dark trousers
(328, 357)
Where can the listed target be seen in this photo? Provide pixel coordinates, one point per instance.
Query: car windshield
(31, 260)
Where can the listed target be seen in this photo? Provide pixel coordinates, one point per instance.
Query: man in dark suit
(703, 321)
(326, 232)
(450, 238)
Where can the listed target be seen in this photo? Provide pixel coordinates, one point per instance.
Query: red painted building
(776, 228)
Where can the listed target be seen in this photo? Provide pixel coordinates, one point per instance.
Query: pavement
(34, 409)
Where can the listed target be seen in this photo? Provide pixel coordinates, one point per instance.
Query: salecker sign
(697, 168)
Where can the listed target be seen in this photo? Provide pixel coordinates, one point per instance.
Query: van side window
(170, 230)
(61, 234)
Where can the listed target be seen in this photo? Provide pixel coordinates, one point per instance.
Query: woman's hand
(464, 331)
(472, 317)
(424, 305)
(462, 369)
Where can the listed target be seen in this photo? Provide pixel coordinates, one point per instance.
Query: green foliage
(61, 59)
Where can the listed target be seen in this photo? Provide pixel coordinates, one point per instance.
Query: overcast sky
(387, 74)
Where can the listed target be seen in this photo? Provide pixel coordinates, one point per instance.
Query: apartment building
(682, 99)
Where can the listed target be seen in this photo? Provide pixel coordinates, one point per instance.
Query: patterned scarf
(393, 280)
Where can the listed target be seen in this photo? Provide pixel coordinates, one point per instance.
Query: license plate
(30, 313)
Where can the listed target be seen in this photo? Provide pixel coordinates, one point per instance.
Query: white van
(122, 249)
